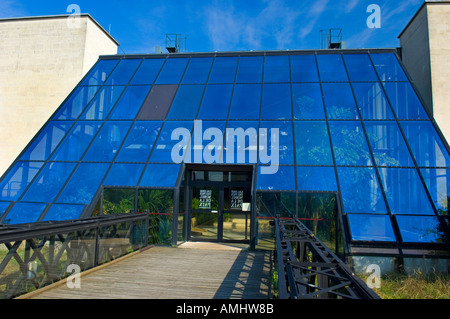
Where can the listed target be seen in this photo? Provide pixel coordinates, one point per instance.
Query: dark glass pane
(49, 182)
(186, 103)
(223, 70)
(172, 71)
(371, 227)
(130, 103)
(58, 212)
(246, 102)
(107, 142)
(241, 142)
(276, 102)
(339, 101)
(275, 146)
(388, 67)
(139, 142)
(349, 143)
(276, 178)
(404, 101)
(270, 204)
(216, 102)
(100, 72)
(197, 71)
(405, 192)
(22, 213)
(76, 103)
(276, 69)
(308, 103)
(331, 68)
(438, 184)
(157, 102)
(372, 101)
(160, 175)
(18, 178)
(165, 144)
(388, 146)
(426, 145)
(84, 183)
(304, 68)
(250, 69)
(207, 142)
(423, 229)
(124, 175)
(312, 143)
(47, 141)
(118, 201)
(102, 103)
(360, 67)
(148, 71)
(311, 178)
(360, 190)
(76, 141)
(123, 72)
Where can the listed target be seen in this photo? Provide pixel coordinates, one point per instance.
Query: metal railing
(309, 269)
(33, 256)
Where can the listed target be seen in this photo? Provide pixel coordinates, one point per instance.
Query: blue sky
(213, 25)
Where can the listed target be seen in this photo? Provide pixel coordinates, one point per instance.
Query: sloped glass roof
(348, 121)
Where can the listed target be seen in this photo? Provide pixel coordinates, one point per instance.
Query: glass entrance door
(205, 212)
(236, 213)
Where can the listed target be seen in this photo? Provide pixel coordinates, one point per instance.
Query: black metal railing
(309, 269)
(33, 256)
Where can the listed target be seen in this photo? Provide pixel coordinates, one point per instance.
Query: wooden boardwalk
(191, 271)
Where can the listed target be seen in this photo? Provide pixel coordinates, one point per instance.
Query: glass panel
(339, 101)
(102, 103)
(205, 217)
(22, 213)
(118, 201)
(123, 72)
(404, 101)
(360, 190)
(304, 68)
(139, 142)
(426, 146)
(241, 142)
(316, 178)
(280, 147)
(223, 70)
(349, 143)
(276, 69)
(246, 102)
(281, 180)
(312, 143)
(276, 102)
(100, 72)
(157, 103)
(84, 183)
(172, 71)
(216, 102)
(360, 67)
(372, 102)
(308, 103)
(207, 142)
(388, 146)
(160, 175)
(331, 68)
(49, 182)
(438, 184)
(76, 103)
(130, 103)
(405, 192)
(270, 204)
(250, 69)
(186, 103)
(3, 207)
(371, 227)
(107, 142)
(18, 178)
(147, 72)
(124, 175)
(76, 141)
(59, 212)
(197, 71)
(165, 144)
(47, 141)
(421, 229)
(388, 67)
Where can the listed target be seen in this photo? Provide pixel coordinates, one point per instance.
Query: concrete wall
(41, 61)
